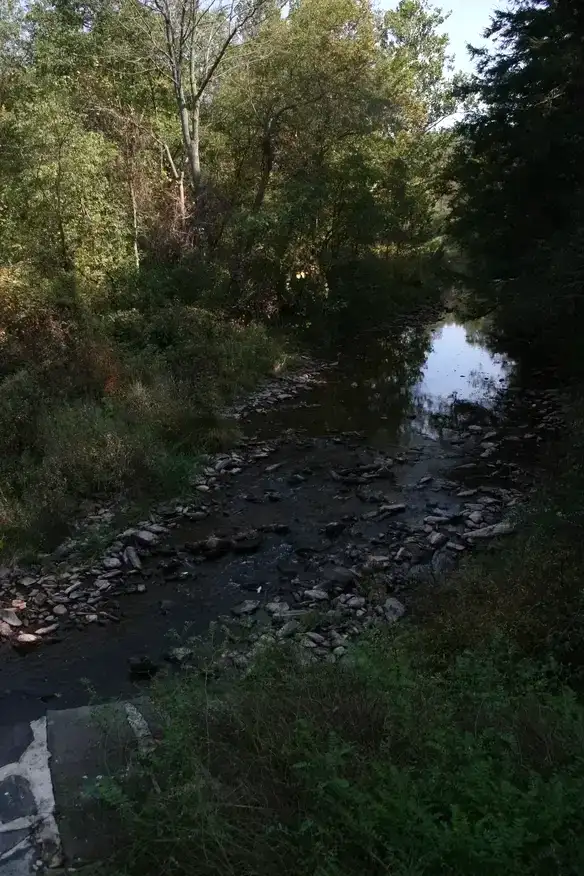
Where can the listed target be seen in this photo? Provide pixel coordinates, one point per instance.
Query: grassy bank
(390, 765)
(451, 744)
(98, 403)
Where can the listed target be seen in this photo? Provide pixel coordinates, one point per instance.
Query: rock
(296, 479)
(146, 538)
(111, 563)
(289, 628)
(393, 609)
(278, 609)
(339, 651)
(142, 667)
(437, 539)
(475, 517)
(466, 494)
(376, 562)
(356, 602)
(179, 655)
(340, 575)
(46, 631)
(202, 488)
(9, 616)
(25, 641)
(316, 638)
(39, 599)
(215, 547)
(395, 508)
(60, 610)
(316, 595)
(496, 529)
(425, 480)
(6, 630)
(247, 607)
(246, 542)
(454, 546)
(132, 558)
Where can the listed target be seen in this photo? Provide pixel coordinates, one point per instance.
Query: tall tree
(519, 171)
(199, 37)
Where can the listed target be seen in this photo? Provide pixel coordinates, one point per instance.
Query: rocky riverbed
(311, 532)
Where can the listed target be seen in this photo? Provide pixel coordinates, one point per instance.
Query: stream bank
(355, 484)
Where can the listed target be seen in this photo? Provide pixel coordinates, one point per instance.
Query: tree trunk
(267, 164)
(195, 139)
(134, 222)
(182, 212)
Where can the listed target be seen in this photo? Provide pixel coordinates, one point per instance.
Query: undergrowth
(386, 765)
(123, 403)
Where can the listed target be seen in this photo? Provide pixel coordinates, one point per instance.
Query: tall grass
(97, 405)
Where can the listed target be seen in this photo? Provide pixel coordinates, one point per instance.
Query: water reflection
(399, 386)
(459, 368)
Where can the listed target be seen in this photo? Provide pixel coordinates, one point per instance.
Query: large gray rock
(393, 609)
(496, 529)
(437, 539)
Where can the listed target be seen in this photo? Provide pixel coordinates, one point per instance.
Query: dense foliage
(172, 173)
(519, 177)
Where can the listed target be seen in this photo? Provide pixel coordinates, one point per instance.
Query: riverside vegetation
(212, 175)
(178, 183)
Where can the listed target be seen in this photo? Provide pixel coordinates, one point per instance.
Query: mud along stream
(385, 466)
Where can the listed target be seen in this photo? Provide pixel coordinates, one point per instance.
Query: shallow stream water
(394, 391)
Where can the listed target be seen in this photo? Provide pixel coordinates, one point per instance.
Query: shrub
(91, 405)
(383, 766)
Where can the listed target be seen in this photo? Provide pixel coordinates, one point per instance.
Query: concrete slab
(87, 744)
(14, 740)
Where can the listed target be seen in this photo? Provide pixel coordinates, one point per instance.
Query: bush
(95, 404)
(383, 766)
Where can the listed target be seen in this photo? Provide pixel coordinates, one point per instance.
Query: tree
(411, 33)
(198, 38)
(519, 173)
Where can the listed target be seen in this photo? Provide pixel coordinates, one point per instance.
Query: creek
(311, 479)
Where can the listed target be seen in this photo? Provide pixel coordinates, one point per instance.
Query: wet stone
(340, 575)
(247, 607)
(146, 538)
(437, 539)
(16, 799)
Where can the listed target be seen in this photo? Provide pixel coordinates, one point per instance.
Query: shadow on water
(401, 387)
